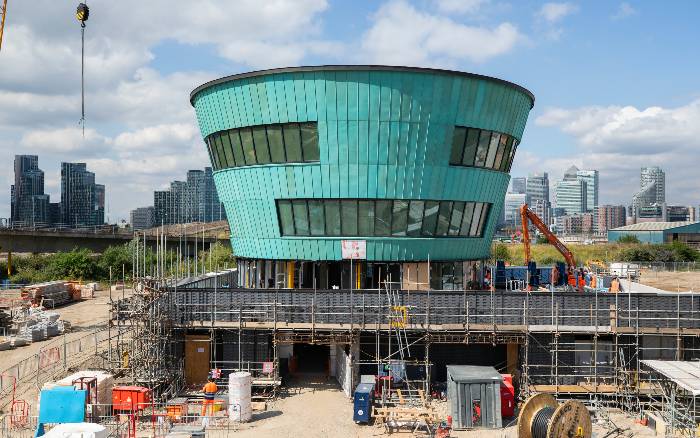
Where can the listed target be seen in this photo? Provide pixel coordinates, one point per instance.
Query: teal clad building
(412, 162)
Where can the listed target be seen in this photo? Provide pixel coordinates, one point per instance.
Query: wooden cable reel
(542, 417)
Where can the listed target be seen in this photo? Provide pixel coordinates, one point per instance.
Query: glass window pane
(226, 144)
(237, 147)
(483, 148)
(309, 140)
(248, 149)
(349, 217)
(467, 219)
(458, 138)
(284, 211)
(499, 154)
(415, 218)
(274, 137)
(493, 147)
(470, 147)
(512, 153)
(220, 151)
(262, 153)
(301, 217)
(456, 220)
(506, 153)
(474, 230)
(484, 218)
(399, 218)
(365, 226)
(212, 153)
(382, 225)
(443, 218)
(316, 215)
(292, 142)
(430, 218)
(332, 218)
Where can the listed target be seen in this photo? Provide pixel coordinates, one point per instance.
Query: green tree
(78, 264)
(115, 257)
(218, 256)
(501, 252)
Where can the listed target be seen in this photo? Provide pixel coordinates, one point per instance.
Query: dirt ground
(314, 407)
(82, 315)
(671, 281)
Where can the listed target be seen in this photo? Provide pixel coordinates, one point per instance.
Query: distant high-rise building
(538, 186)
(652, 190)
(610, 216)
(511, 209)
(28, 203)
(194, 200)
(82, 201)
(571, 193)
(591, 179)
(538, 194)
(142, 218)
(518, 185)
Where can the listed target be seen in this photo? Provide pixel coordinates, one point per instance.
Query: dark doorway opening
(442, 355)
(312, 359)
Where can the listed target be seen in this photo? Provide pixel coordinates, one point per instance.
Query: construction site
(610, 351)
(365, 299)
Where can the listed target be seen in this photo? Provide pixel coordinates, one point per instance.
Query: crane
(527, 216)
(3, 12)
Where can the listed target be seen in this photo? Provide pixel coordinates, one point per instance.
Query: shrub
(628, 238)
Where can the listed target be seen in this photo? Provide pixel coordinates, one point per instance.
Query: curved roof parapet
(359, 68)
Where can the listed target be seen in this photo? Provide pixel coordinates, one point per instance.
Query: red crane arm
(528, 215)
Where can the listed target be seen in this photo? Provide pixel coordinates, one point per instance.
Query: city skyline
(580, 116)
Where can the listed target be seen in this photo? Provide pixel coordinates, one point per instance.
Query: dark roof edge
(361, 68)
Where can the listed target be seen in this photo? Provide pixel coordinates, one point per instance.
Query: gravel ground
(315, 407)
(671, 281)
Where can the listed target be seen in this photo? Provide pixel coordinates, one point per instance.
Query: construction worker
(555, 277)
(209, 391)
(615, 285)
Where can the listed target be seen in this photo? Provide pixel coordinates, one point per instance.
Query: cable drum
(542, 417)
(541, 422)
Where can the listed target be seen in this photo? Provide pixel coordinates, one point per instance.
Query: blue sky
(616, 82)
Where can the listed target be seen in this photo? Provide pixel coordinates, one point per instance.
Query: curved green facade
(382, 133)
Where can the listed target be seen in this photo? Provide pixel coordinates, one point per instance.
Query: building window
(472, 147)
(381, 218)
(264, 144)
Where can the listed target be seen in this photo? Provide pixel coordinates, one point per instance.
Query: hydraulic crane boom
(527, 216)
(3, 12)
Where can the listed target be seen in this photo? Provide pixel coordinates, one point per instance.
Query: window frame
(460, 219)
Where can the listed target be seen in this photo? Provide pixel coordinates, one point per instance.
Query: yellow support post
(290, 275)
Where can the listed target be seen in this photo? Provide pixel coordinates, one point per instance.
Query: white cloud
(623, 11)
(401, 34)
(141, 130)
(460, 6)
(619, 140)
(554, 12)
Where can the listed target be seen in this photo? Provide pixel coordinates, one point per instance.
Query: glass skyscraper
(82, 201)
(193, 200)
(29, 205)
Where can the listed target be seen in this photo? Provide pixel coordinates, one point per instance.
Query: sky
(616, 82)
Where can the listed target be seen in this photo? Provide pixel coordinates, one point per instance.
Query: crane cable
(82, 13)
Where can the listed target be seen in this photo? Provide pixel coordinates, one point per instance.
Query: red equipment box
(507, 396)
(130, 398)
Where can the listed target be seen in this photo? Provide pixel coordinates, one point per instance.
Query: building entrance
(312, 359)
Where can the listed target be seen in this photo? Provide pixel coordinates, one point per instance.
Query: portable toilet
(362, 403)
(474, 396)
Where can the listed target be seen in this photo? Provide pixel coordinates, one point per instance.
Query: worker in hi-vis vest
(209, 390)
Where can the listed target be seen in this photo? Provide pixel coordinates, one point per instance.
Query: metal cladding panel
(382, 134)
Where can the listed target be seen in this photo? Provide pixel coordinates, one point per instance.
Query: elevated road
(48, 240)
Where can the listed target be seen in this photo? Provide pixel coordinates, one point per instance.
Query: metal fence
(368, 309)
(52, 361)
